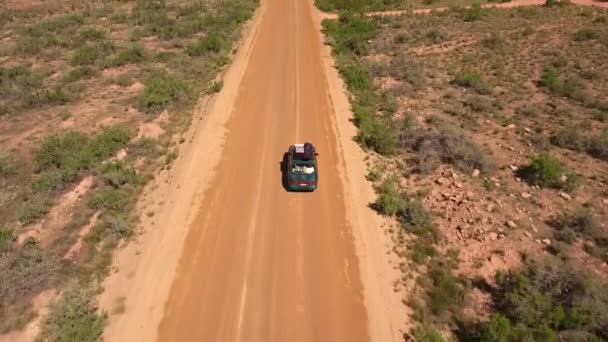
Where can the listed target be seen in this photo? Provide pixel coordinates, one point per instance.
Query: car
(300, 167)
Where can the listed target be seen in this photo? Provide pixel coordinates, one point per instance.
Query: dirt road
(259, 263)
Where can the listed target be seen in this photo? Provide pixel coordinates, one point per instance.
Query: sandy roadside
(386, 313)
(144, 269)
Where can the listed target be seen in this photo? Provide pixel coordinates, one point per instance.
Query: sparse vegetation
(546, 171)
(161, 91)
(60, 126)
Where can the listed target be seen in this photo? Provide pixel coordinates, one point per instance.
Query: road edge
(387, 314)
(143, 270)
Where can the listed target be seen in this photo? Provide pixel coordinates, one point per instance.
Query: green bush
(350, 33)
(89, 35)
(376, 135)
(472, 79)
(63, 158)
(212, 43)
(423, 333)
(118, 225)
(85, 55)
(162, 90)
(585, 35)
(74, 318)
(546, 171)
(215, 87)
(542, 300)
(131, 55)
(389, 198)
(109, 199)
(474, 12)
(43, 97)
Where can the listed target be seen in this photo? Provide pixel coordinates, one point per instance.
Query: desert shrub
(63, 158)
(423, 333)
(585, 35)
(91, 35)
(546, 171)
(6, 237)
(34, 209)
(570, 87)
(600, 116)
(389, 198)
(131, 55)
(118, 225)
(117, 174)
(570, 137)
(161, 91)
(85, 55)
(474, 12)
(472, 79)
(215, 87)
(446, 292)
(26, 270)
(542, 300)
(78, 73)
(374, 133)
(446, 144)
(109, 199)
(55, 96)
(8, 165)
(478, 103)
(582, 223)
(212, 43)
(356, 77)
(405, 68)
(598, 145)
(435, 36)
(74, 317)
(350, 33)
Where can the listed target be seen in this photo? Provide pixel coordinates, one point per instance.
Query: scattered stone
(546, 242)
(442, 181)
(511, 126)
(526, 195)
(491, 207)
(534, 229)
(528, 130)
(537, 240)
(500, 230)
(493, 236)
(605, 201)
(565, 196)
(527, 234)
(513, 168)
(563, 178)
(454, 175)
(469, 195)
(458, 185)
(518, 180)
(501, 236)
(511, 224)
(475, 173)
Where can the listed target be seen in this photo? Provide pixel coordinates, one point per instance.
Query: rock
(526, 195)
(565, 196)
(442, 181)
(491, 207)
(534, 229)
(475, 173)
(511, 126)
(511, 224)
(527, 234)
(537, 240)
(513, 168)
(501, 236)
(528, 130)
(605, 201)
(493, 236)
(546, 242)
(454, 175)
(518, 180)
(563, 178)
(469, 195)
(458, 185)
(494, 179)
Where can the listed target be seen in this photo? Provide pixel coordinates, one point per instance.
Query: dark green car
(300, 170)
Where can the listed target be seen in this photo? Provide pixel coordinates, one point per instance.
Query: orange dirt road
(259, 263)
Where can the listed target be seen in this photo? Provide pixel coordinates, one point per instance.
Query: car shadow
(284, 172)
